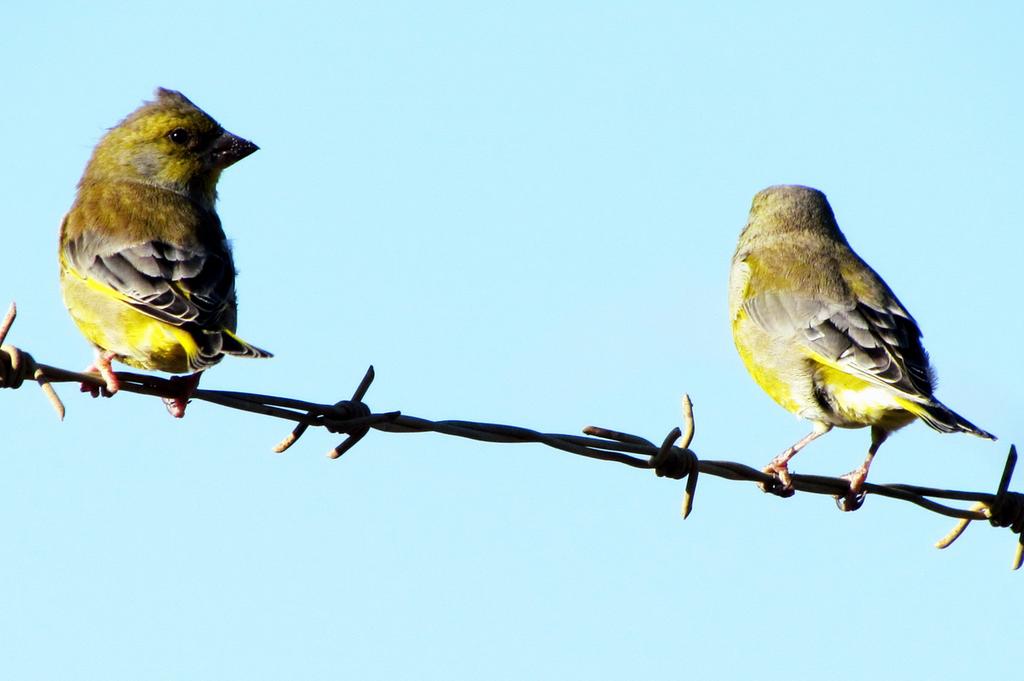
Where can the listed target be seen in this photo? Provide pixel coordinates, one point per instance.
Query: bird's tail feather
(945, 420)
(233, 345)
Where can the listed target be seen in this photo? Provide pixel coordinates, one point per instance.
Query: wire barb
(1006, 509)
(15, 365)
(678, 463)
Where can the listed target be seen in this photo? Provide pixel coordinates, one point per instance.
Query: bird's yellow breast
(112, 324)
(776, 365)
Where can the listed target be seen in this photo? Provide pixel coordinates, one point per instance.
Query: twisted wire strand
(673, 458)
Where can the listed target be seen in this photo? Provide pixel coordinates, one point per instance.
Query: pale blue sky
(522, 213)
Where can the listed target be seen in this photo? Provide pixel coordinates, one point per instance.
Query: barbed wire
(673, 458)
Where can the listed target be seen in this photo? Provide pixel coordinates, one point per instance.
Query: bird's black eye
(179, 136)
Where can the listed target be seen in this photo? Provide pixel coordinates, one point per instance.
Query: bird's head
(170, 143)
(782, 211)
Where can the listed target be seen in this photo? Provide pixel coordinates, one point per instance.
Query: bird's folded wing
(882, 346)
(179, 286)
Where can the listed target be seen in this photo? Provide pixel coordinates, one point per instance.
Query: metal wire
(672, 458)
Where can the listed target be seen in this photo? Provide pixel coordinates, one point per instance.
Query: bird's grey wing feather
(177, 285)
(880, 345)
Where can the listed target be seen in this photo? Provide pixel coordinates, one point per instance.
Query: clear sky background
(521, 213)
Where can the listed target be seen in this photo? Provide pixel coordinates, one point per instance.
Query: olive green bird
(821, 332)
(145, 269)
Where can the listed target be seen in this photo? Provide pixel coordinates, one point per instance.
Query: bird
(146, 271)
(823, 334)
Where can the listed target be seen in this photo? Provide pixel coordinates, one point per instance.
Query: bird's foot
(184, 386)
(101, 365)
(856, 478)
(782, 485)
(854, 499)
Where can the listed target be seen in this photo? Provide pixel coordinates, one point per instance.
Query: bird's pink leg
(185, 386)
(779, 466)
(101, 365)
(858, 475)
(854, 499)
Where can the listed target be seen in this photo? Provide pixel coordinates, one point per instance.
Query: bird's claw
(185, 386)
(854, 499)
(175, 406)
(111, 384)
(851, 501)
(781, 484)
(96, 390)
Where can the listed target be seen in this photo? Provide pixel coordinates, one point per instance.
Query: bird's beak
(228, 149)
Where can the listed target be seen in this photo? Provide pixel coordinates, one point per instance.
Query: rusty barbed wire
(673, 458)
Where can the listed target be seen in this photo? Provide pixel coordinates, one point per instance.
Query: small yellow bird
(821, 332)
(145, 269)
